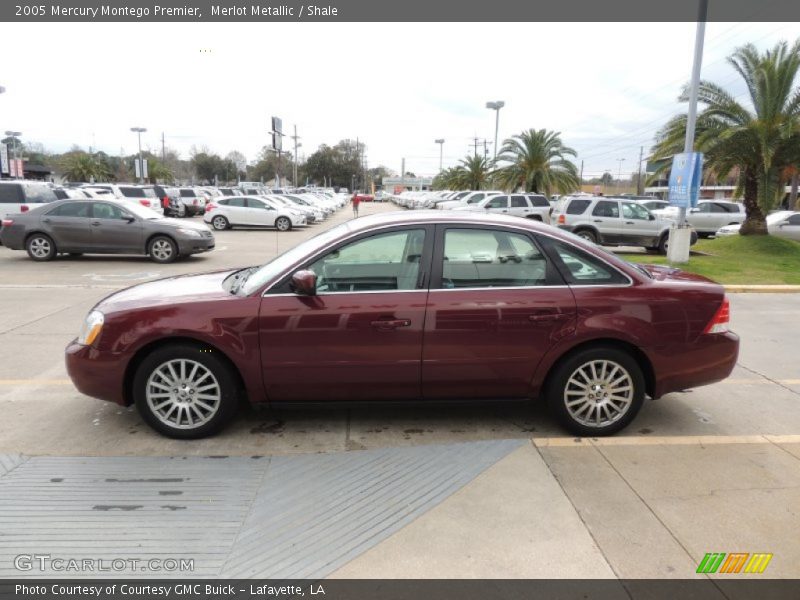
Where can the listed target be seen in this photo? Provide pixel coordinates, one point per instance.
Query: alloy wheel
(183, 394)
(162, 250)
(40, 247)
(599, 393)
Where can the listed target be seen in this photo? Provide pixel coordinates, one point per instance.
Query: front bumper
(96, 374)
(195, 245)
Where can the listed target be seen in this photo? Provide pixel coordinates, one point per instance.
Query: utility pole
(403, 175)
(580, 183)
(440, 141)
(639, 183)
(295, 137)
(475, 142)
(163, 147)
(619, 174)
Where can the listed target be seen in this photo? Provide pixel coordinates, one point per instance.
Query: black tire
(41, 247)
(587, 234)
(534, 218)
(560, 386)
(283, 224)
(147, 379)
(162, 249)
(663, 243)
(220, 223)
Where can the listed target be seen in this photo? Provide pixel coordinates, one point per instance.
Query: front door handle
(96, 223)
(387, 324)
(629, 223)
(598, 220)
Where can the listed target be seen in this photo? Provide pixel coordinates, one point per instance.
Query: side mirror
(652, 217)
(304, 282)
(694, 210)
(129, 218)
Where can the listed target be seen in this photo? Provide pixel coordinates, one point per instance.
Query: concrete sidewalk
(624, 507)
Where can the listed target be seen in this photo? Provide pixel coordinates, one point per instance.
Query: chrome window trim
(434, 223)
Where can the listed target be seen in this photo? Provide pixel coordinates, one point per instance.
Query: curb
(763, 289)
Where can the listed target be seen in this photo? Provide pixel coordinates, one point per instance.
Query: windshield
(283, 261)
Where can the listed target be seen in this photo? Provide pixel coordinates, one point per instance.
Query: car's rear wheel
(587, 234)
(162, 249)
(283, 224)
(220, 223)
(185, 391)
(597, 391)
(534, 217)
(41, 247)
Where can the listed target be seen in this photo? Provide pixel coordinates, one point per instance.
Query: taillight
(24, 208)
(719, 322)
(145, 203)
(562, 219)
(211, 206)
(7, 222)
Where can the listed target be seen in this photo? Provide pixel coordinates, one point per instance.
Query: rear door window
(519, 202)
(72, 209)
(606, 208)
(578, 207)
(497, 202)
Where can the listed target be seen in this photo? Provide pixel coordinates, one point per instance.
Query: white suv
(21, 196)
(710, 215)
(471, 198)
(528, 206)
(614, 222)
(145, 196)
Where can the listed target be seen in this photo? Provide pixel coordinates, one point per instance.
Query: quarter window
(583, 269)
(486, 258)
(388, 261)
(578, 207)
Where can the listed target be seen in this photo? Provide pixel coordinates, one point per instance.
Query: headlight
(189, 232)
(91, 328)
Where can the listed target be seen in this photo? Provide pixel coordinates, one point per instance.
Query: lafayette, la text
(178, 589)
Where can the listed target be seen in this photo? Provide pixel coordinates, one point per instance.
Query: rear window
(39, 194)
(132, 192)
(10, 193)
(577, 207)
(187, 193)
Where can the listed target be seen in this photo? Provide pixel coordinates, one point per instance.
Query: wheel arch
(644, 362)
(156, 234)
(141, 353)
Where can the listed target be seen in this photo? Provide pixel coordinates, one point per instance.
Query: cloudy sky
(399, 86)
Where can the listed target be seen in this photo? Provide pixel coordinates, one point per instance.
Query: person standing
(356, 202)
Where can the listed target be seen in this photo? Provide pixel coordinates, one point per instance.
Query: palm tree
(80, 166)
(472, 173)
(537, 163)
(761, 139)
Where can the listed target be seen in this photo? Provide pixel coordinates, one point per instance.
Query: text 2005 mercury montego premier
(430, 305)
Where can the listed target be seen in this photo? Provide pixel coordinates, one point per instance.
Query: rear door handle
(96, 223)
(550, 316)
(629, 223)
(598, 220)
(387, 324)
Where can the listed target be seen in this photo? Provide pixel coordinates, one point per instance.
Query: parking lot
(673, 483)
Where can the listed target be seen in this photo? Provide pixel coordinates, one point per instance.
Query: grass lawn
(740, 259)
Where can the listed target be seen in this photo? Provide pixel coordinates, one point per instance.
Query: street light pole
(139, 131)
(440, 141)
(619, 173)
(496, 106)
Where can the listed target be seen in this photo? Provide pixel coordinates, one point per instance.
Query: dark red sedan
(409, 306)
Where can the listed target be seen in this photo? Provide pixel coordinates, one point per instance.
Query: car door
(360, 336)
(68, 225)
(236, 211)
(607, 220)
(519, 206)
(497, 205)
(639, 227)
(115, 230)
(261, 212)
(790, 229)
(495, 307)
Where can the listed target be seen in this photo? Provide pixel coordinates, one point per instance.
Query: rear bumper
(13, 237)
(96, 374)
(709, 360)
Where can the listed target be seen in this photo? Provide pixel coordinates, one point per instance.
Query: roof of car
(443, 216)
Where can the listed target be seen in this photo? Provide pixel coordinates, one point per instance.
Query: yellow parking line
(671, 440)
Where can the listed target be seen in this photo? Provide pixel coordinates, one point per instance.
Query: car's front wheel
(283, 224)
(597, 391)
(185, 391)
(162, 249)
(41, 247)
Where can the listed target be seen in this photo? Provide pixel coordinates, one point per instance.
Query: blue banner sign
(685, 178)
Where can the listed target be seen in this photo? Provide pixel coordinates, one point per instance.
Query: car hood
(170, 291)
(184, 223)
